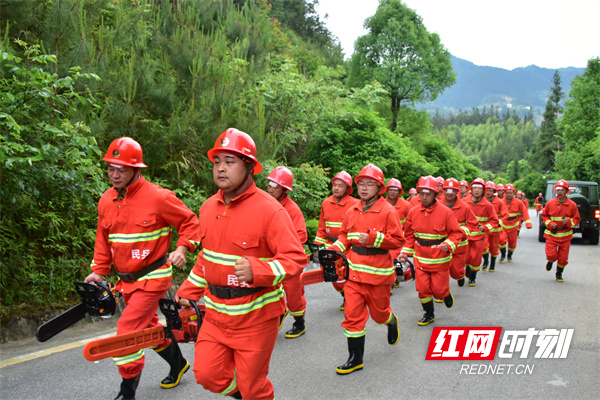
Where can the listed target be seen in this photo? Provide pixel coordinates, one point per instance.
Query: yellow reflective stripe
(129, 358)
(246, 308)
(403, 220)
(527, 221)
(320, 241)
(353, 235)
(378, 239)
(449, 243)
(333, 224)
(220, 258)
(514, 214)
(555, 218)
(496, 229)
(157, 274)
(232, 385)
(358, 334)
(489, 226)
(426, 299)
(463, 243)
(511, 226)
(297, 313)
(424, 260)
(278, 271)
(340, 246)
(465, 229)
(138, 237)
(430, 236)
(195, 242)
(476, 233)
(196, 280)
(483, 219)
(406, 250)
(371, 270)
(559, 234)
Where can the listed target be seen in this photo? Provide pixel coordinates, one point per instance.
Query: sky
(505, 34)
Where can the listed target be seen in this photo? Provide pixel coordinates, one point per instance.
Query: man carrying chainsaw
(280, 181)
(370, 231)
(134, 234)
(249, 246)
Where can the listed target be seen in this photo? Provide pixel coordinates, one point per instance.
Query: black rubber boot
(502, 255)
(393, 331)
(428, 317)
(472, 277)
(486, 259)
(461, 281)
(343, 301)
(179, 365)
(509, 258)
(236, 395)
(449, 300)
(282, 318)
(559, 272)
(298, 329)
(549, 266)
(128, 387)
(493, 264)
(356, 348)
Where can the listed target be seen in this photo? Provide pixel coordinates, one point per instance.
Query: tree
(399, 52)
(549, 140)
(580, 126)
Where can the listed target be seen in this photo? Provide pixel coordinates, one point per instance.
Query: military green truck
(585, 195)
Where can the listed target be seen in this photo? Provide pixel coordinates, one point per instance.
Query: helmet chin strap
(121, 192)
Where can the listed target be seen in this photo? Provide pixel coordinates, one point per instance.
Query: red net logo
(463, 343)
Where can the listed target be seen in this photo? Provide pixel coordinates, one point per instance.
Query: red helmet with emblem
(373, 172)
(490, 185)
(509, 186)
(412, 191)
(344, 177)
(463, 183)
(451, 184)
(239, 143)
(125, 151)
(478, 182)
(563, 184)
(427, 182)
(499, 186)
(283, 177)
(395, 183)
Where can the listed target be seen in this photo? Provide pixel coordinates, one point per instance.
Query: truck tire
(541, 230)
(593, 235)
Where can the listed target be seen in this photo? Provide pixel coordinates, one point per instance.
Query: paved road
(518, 296)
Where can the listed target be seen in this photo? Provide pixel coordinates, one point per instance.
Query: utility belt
(368, 251)
(562, 228)
(226, 292)
(511, 218)
(429, 243)
(332, 239)
(134, 276)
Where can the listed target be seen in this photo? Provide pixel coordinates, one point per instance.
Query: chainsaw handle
(328, 258)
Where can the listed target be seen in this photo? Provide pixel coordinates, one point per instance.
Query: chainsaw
(182, 325)
(334, 267)
(96, 300)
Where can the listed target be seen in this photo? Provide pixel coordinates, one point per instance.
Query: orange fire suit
(402, 208)
(415, 201)
(467, 222)
(294, 289)
(330, 223)
(133, 232)
(371, 265)
(240, 326)
(538, 203)
(486, 216)
(558, 235)
(516, 213)
(492, 239)
(425, 231)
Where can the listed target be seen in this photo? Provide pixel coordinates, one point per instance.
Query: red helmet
(539, 194)
(395, 183)
(490, 185)
(499, 186)
(427, 182)
(563, 184)
(440, 180)
(478, 181)
(520, 193)
(283, 177)
(463, 183)
(509, 186)
(239, 143)
(412, 191)
(125, 151)
(344, 177)
(451, 184)
(373, 172)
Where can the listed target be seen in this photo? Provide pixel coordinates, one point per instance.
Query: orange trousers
(558, 250)
(361, 300)
(474, 254)
(227, 360)
(492, 241)
(432, 283)
(294, 294)
(457, 264)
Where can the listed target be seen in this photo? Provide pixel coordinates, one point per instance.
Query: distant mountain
(519, 88)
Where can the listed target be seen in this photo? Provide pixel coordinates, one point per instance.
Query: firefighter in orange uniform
(559, 216)
(488, 220)
(332, 211)
(134, 234)
(249, 247)
(394, 190)
(467, 222)
(463, 186)
(492, 239)
(412, 192)
(516, 213)
(280, 181)
(538, 203)
(521, 196)
(370, 231)
(432, 234)
(500, 191)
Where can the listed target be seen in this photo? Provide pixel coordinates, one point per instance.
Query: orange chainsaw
(334, 267)
(182, 325)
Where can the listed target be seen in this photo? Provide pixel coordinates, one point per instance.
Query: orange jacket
(415, 201)
(135, 231)
(402, 207)
(553, 213)
(466, 220)
(501, 212)
(297, 217)
(436, 223)
(516, 213)
(382, 224)
(254, 226)
(330, 220)
(486, 215)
